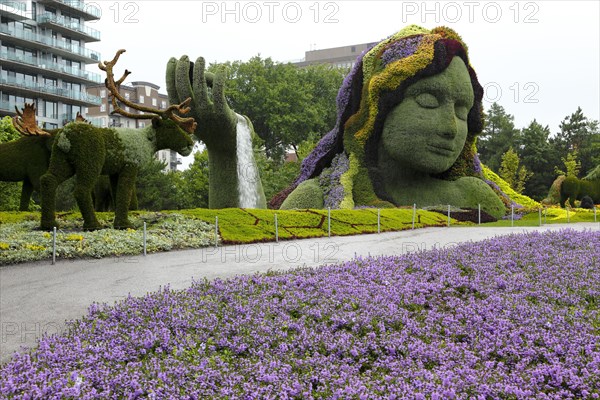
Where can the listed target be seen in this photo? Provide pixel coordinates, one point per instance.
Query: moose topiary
(87, 152)
(26, 159)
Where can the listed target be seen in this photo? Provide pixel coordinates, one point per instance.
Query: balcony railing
(52, 66)
(72, 26)
(51, 89)
(51, 42)
(96, 121)
(10, 106)
(15, 9)
(83, 7)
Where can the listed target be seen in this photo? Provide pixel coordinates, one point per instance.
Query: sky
(537, 59)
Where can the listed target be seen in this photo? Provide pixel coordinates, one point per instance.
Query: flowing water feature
(246, 167)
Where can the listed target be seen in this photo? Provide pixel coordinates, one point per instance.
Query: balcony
(60, 47)
(73, 29)
(8, 107)
(49, 68)
(15, 10)
(50, 92)
(77, 8)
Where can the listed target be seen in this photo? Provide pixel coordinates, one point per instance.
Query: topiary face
(169, 135)
(426, 132)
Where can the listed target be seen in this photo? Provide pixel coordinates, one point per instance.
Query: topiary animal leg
(86, 180)
(26, 191)
(125, 184)
(58, 172)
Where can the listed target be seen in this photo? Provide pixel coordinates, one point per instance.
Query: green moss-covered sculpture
(573, 189)
(220, 128)
(88, 152)
(25, 160)
(408, 116)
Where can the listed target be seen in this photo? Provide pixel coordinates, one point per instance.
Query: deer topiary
(87, 152)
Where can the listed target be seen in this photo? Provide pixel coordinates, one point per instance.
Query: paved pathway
(39, 297)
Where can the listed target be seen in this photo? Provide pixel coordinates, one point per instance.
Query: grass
(551, 215)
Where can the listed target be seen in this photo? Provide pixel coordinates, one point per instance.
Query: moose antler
(188, 124)
(25, 122)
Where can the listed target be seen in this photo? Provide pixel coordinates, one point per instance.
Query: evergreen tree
(539, 157)
(578, 133)
(497, 137)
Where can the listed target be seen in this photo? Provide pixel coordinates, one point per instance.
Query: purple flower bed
(509, 318)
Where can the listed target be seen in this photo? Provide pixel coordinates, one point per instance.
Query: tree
(286, 104)
(579, 134)
(157, 190)
(539, 157)
(498, 136)
(572, 165)
(516, 176)
(195, 182)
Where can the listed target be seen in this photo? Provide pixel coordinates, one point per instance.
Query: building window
(103, 93)
(103, 108)
(163, 104)
(141, 124)
(154, 102)
(126, 96)
(126, 108)
(142, 99)
(353, 49)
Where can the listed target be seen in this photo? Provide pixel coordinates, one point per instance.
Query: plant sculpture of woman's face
(426, 132)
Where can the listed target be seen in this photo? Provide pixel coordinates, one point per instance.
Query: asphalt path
(38, 298)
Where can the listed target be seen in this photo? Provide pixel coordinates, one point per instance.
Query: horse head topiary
(88, 152)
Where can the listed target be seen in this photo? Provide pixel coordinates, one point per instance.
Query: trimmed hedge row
(238, 225)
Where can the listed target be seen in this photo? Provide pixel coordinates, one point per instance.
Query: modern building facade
(340, 57)
(43, 57)
(142, 93)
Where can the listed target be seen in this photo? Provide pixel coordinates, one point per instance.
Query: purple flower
(401, 49)
(510, 317)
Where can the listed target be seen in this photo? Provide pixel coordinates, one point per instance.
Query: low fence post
(276, 230)
(568, 216)
(378, 220)
(216, 231)
(53, 245)
(414, 214)
(145, 239)
(329, 222)
(512, 215)
(448, 214)
(478, 214)
(540, 215)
